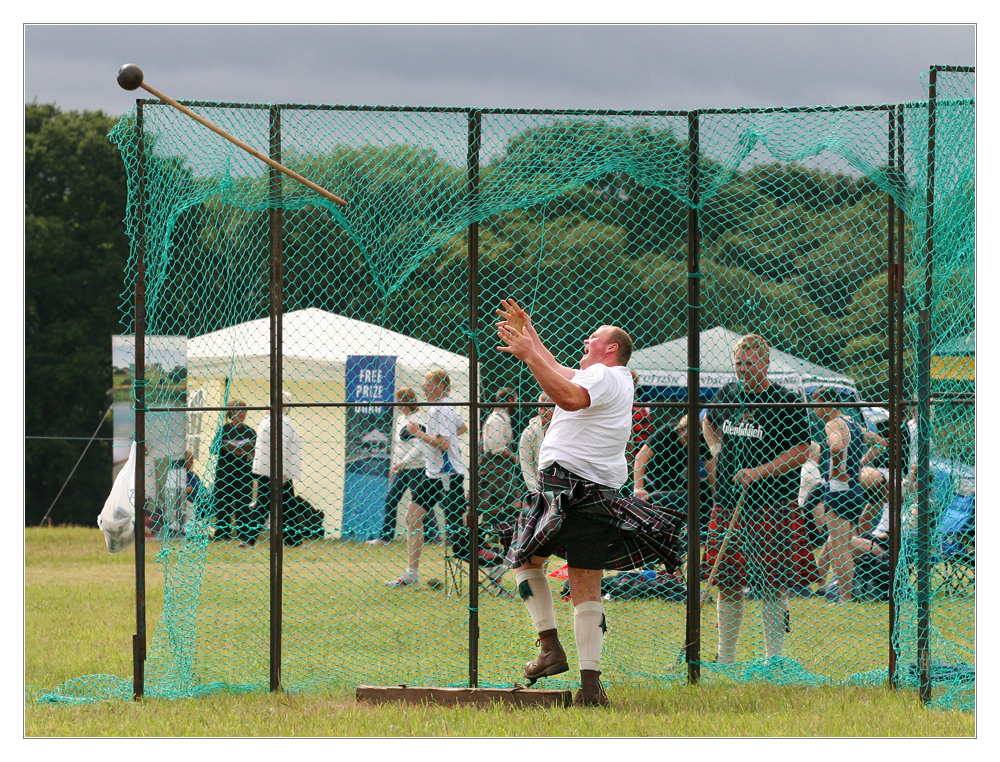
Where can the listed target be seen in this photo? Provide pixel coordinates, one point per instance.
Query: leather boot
(551, 659)
(591, 691)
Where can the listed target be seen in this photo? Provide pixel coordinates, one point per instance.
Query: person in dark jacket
(233, 487)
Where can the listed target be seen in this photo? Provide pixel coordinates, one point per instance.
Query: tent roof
(660, 364)
(963, 346)
(312, 341)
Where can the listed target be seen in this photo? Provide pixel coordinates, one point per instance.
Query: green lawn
(343, 628)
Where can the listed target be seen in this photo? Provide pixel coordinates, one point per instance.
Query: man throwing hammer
(576, 511)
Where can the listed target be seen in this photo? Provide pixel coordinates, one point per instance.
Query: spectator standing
(531, 443)
(444, 476)
(233, 488)
(660, 472)
(642, 424)
(843, 498)
(759, 452)
(406, 468)
(192, 482)
(498, 461)
(249, 525)
(187, 487)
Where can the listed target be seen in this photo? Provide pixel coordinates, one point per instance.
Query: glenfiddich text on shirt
(744, 429)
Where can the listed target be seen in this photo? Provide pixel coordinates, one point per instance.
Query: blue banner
(369, 379)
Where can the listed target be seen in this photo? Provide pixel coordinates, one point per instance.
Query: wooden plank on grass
(376, 694)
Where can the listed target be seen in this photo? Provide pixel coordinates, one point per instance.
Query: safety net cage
(798, 284)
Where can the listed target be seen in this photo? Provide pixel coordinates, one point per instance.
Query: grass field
(79, 618)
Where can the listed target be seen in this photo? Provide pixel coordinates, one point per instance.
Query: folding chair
(956, 556)
(494, 541)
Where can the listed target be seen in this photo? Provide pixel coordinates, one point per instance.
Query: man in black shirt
(660, 470)
(759, 453)
(233, 479)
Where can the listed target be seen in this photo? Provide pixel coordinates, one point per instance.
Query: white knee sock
(537, 596)
(589, 627)
(730, 617)
(774, 626)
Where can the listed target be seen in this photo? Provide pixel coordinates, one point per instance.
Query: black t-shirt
(666, 470)
(241, 436)
(881, 458)
(755, 436)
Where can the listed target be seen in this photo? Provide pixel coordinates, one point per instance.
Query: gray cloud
(619, 67)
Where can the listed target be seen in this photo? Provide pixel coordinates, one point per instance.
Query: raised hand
(512, 314)
(516, 342)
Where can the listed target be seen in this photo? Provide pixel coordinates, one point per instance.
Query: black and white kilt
(648, 533)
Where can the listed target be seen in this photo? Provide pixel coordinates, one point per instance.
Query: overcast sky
(618, 67)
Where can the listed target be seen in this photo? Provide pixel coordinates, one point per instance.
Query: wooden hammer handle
(725, 541)
(249, 149)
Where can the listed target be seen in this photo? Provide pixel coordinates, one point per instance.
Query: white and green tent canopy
(665, 365)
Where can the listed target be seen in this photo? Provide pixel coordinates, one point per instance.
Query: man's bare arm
(639, 471)
(868, 515)
(439, 442)
(792, 458)
(515, 316)
(878, 445)
(560, 389)
(712, 436)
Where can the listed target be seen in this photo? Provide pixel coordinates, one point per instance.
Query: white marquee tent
(316, 346)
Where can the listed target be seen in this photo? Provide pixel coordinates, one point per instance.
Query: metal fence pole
(693, 638)
(276, 466)
(892, 390)
(139, 375)
(475, 133)
(895, 303)
(923, 412)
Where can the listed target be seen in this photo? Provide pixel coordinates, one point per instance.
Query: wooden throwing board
(373, 694)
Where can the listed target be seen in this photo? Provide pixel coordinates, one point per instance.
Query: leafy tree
(75, 254)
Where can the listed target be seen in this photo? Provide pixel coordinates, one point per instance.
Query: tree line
(75, 250)
(584, 222)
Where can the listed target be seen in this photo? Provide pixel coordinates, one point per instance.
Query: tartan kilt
(770, 550)
(649, 533)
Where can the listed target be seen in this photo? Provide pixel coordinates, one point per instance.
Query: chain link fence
(840, 241)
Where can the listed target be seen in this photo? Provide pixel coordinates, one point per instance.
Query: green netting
(948, 554)
(584, 218)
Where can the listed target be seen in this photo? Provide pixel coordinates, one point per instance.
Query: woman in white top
(499, 496)
(406, 467)
(530, 444)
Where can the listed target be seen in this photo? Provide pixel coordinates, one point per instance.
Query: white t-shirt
(911, 425)
(883, 525)
(810, 478)
(591, 442)
(529, 447)
(497, 433)
(408, 451)
(443, 421)
(291, 448)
